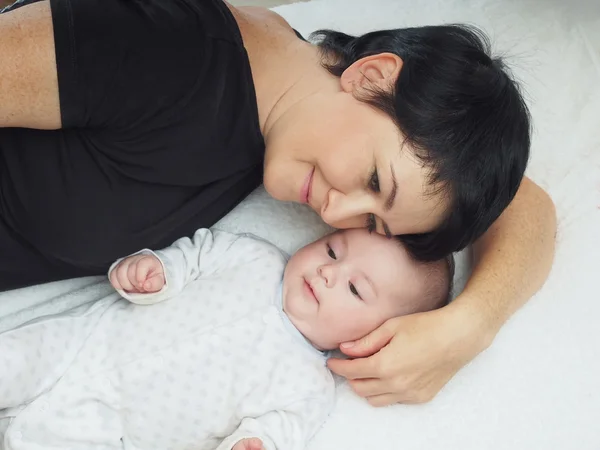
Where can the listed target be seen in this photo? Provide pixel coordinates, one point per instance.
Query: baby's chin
(307, 329)
(323, 346)
(313, 336)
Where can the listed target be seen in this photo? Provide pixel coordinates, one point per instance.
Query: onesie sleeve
(206, 252)
(290, 428)
(289, 414)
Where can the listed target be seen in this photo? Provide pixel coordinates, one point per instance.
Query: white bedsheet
(535, 388)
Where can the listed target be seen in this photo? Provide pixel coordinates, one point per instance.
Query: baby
(235, 360)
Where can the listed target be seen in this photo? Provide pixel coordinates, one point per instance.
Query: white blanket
(534, 388)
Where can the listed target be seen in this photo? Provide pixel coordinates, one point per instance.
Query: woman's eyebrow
(389, 203)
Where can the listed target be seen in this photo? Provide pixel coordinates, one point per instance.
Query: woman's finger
(372, 342)
(383, 400)
(353, 369)
(369, 387)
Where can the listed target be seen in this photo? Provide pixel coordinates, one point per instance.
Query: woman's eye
(374, 182)
(331, 253)
(354, 291)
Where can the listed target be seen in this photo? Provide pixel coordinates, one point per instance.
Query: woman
(130, 123)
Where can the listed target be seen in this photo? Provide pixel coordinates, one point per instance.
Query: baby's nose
(327, 272)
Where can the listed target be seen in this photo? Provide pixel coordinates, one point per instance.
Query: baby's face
(345, 285)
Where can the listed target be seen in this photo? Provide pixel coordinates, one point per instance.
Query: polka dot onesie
(207, 361)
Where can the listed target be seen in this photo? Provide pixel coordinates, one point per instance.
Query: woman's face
(345, 159)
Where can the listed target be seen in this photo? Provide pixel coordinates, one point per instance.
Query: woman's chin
(274, 190)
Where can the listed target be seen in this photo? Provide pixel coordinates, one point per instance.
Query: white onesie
(217, 362)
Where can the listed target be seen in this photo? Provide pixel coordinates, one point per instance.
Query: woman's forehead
(419, 206)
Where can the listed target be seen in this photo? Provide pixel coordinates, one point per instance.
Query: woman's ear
(372, 72)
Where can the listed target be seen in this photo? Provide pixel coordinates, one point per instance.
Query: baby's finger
(144, 269)
(114, 280)
(122, 277)
(155, 283)
(138, 284)
(254, 444)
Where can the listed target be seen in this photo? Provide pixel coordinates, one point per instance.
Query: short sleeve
(125, 63)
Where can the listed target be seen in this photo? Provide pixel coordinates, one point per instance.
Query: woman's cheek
(340, 174)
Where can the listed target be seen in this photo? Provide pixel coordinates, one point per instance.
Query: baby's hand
(249, 444)
(138, 274)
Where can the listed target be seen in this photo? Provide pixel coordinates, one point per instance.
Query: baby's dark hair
(460, 112)
(438, 281)
(433, 282)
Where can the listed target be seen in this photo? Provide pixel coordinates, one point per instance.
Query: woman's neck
(285, 69)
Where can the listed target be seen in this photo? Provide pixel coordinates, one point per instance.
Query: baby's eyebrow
(371, 283)
(362, 272)
(344, 240)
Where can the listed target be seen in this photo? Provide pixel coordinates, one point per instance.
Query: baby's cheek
(356, 325)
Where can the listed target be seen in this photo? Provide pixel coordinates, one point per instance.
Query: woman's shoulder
(261, 26)
(264, 15)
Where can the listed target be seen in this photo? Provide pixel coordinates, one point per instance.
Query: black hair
(439, 282)
(436, 281)
(462, 115)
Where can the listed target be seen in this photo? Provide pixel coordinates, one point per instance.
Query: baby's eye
(371, 223)
(354, 291)
(331, 253)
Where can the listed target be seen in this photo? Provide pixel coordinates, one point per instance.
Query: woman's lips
(307, 187)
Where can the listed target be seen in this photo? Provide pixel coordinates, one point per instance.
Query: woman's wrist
(476, 324)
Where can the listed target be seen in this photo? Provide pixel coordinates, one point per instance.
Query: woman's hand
(141, 274)
(414, 356)
(409, 359)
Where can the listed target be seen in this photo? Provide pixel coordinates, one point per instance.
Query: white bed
(535, 388)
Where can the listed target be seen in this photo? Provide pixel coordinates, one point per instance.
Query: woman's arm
(414, 356)
(513, 258)
(28, 78)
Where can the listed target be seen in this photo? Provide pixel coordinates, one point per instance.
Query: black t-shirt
(160, 132)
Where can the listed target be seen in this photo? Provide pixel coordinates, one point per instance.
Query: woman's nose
(346, 210)
(327, 273)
